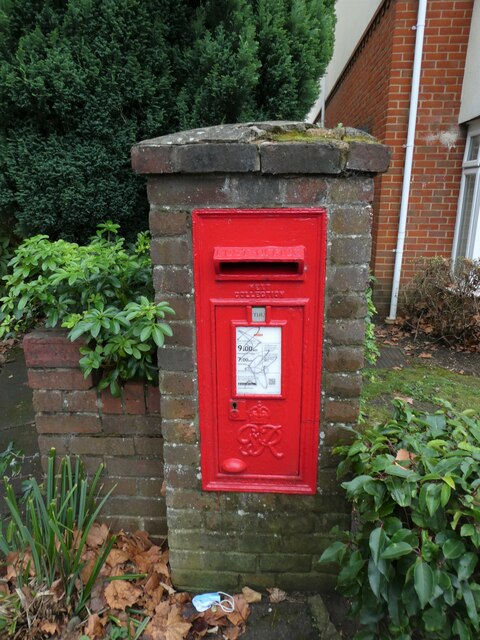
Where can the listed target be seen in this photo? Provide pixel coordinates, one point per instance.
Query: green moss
(422, 383)
(303, 136)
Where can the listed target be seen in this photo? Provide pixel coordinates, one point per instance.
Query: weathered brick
(178, 408)
(255, 543)
(253, 190)
(176, 358)
(302, 158)
(344, 359)
(153, 398)
(185, 191)
(58, 379)
(174, 383)
(285, 562)
(312, 543)
(183, 333)
(228, 561)
(347, 278)
(157, 528)
(182, 305)
(150, 487)
(341, 411)
(47, 401)
(183, 519)
(336, 435)
(120, 486)
(134, 398)
(145, 446)
(134, 506)
(179, 431)
(352, 190)
(350, 250)
(347, 305)
(50, 349)
(167, 222)
(204, 580)
(347, 385)
(111, 404)
(152, 159)
(112, 446)
(189, 499)
(197, 539)
(172, 279)
(305, 190)
(59, 443)
(81, 401)
(133, 424)
(68, 423)
(350, 220)
(343, 332)
(134, 467)
(211, 157)
(181, 454)
(182, 477)
(170, 250)
(367, 156)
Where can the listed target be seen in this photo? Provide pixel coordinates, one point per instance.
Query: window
(466, 243)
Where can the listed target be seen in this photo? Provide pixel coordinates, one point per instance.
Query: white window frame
(469, 167)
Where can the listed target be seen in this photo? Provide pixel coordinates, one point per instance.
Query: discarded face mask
(204, 601)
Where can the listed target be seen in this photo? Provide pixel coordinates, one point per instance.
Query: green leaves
(101, 292)
(411, 565)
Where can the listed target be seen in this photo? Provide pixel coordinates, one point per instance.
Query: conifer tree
(83, 80)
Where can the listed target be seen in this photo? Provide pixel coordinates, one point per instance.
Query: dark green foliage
(81, 81)
(410, 563)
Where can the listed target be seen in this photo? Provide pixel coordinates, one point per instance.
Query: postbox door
(259, 390)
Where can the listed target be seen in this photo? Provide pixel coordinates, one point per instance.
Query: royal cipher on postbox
(259, 288)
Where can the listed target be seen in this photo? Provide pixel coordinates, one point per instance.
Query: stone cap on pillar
(262, 147)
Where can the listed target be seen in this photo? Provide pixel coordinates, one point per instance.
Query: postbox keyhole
(234, 406)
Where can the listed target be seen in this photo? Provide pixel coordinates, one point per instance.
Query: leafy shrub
(81, 81)
(102, 291)
(444, 300)
(44, 545)
(410, 564)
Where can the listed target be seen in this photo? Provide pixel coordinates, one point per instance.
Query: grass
(422, 383)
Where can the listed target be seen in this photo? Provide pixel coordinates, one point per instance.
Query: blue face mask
(204, 601)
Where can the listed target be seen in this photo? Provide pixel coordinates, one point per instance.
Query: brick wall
(226, 539)
(374, 92)
(122, 433)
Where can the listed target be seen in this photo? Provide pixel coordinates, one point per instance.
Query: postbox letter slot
(259, 262)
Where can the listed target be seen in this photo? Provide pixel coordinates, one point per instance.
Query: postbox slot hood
(259, 262)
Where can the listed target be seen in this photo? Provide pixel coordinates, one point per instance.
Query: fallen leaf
(406, 399)
(49, 627)
(403, 454)
(424, 355)
(177, 628)
(232, 633)
(241, 611)
(97, 535)
(276, 595)
(117, 556)
(251, 596)
(94, 628)
(121, 594)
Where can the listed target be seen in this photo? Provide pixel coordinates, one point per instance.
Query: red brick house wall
(374, 93)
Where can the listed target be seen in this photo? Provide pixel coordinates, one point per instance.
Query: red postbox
(259, 285)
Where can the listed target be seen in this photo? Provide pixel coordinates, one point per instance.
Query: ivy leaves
(411, 566)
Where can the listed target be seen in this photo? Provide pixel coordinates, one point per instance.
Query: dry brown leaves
(172, 615)
(119, 587)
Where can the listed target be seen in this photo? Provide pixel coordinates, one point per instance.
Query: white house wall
(470, 103)
(353, 18)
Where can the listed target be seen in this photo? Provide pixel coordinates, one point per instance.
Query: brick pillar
(122, 433)
(225, 539)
